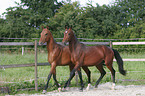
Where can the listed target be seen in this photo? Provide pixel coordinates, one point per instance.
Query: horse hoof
(63, 89)
(44, 91)
(59, 89)
(95, 88)
(67, 88)
(113, 86)
(81, 90)
(88, 87)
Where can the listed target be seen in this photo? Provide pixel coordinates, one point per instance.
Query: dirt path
(102, 90)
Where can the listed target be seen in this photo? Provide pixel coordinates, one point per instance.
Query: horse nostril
(40, 43)
(64, 43)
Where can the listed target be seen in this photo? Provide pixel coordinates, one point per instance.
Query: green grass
(139, 55)
(6, 59)
(24, 77)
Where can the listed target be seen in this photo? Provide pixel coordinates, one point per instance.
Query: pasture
(22, 78)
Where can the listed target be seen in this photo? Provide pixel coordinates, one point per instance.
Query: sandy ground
(102, 90)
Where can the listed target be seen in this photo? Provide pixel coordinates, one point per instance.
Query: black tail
(119, 62)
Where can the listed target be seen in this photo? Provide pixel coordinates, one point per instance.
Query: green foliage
(124, 19)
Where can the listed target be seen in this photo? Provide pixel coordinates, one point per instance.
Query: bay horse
(82, 55)
(58, 55)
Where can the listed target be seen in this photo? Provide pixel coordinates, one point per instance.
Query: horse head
(67, 35)
(45, 35)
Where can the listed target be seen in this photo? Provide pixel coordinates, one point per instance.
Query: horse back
(96, 54)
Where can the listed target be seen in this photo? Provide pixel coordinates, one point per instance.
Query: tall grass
(20, 78)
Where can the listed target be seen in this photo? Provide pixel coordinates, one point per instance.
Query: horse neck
(50, 44)
(73, 43)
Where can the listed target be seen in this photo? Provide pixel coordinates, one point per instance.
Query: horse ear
(47, 27)
(65, 26)
(42, 27)
(70, 27)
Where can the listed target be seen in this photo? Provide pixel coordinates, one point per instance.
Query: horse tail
(119, 62)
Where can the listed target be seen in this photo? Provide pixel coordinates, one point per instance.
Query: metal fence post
(36, 84)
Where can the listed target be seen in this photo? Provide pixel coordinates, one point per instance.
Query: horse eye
(46, 34)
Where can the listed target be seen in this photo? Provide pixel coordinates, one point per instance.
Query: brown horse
(58, 55)
(82, 55)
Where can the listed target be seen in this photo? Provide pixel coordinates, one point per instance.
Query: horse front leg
(46, 86)
(71, 76)
(71, 66)
(56, 82)
(53, 66)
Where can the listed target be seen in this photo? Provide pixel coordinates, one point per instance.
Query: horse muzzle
(64, 42)
(41, 43)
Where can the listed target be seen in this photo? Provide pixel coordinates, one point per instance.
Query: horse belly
(65, 60)
(92, 60)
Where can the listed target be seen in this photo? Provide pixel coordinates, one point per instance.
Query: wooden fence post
(22, 51)
(110, 44)
(36, 84)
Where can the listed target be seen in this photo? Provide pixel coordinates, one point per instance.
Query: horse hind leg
(102, 71)
(81, 80)
(110, 67)
(88, 72)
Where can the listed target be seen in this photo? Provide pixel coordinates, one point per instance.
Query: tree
(25, 23)
(132, 16)
(41, 10)
(66, 15)
(124, 19)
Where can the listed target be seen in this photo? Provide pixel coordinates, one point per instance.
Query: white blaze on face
(66, 31)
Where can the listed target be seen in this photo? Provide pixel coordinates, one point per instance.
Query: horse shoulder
(78, 55)
(54, 54)
(65, 56)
